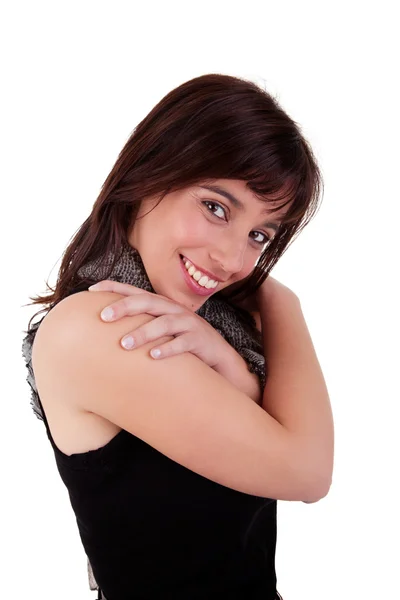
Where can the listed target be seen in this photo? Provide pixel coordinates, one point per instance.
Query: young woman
(174, 464)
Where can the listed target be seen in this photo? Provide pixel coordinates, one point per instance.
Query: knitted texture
(234, 324)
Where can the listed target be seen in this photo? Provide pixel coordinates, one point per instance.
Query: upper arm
(178, 405)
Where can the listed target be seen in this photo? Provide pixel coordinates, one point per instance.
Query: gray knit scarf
(235, 325)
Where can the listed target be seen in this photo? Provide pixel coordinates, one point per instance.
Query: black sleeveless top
(154, 530)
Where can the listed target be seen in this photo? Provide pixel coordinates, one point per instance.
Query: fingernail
(155, 352)
(95, 287)
(128, 342)
(107, 314)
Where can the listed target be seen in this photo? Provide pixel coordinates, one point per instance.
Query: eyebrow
(236, 203)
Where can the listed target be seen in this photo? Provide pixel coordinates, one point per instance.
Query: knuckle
(167, 322)
(107, 285)
(123, 306)
(185, 343)
(168, 349)
(115, 306)
(140, 336)
(178, 345)
(125, 303)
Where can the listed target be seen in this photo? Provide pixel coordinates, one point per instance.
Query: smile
(198, 282)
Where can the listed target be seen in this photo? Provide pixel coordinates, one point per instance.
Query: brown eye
(208, 202)
(265, 239)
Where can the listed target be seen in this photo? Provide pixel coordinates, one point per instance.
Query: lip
(192, 283)
(208, 273)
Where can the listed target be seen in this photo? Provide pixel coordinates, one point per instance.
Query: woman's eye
(265, 239)
(208, 202)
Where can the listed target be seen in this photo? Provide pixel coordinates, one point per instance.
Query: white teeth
(196, 275)
(201, 279)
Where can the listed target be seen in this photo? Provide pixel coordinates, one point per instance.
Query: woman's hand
(192, 333)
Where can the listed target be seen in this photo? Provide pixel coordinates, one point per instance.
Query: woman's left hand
(192, 333)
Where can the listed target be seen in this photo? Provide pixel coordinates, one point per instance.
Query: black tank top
(155, 530)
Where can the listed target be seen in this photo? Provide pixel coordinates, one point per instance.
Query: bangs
(289, 195)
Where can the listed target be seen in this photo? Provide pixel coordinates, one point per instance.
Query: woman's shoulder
(73, 320)
(79, 306)
(73, 430)
(77, 298)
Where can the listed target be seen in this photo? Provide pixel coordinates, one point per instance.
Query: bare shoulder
(82, 308)
(91, 349)
(72, 334)
(76, 320)
(91, 368)
(73, 429)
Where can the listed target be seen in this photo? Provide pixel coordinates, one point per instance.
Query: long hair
(211, 127)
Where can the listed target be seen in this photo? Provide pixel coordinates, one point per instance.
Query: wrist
(229, 362)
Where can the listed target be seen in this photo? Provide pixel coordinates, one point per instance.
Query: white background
(77, 77)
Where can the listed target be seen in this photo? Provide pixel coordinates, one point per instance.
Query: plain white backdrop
(77, 77)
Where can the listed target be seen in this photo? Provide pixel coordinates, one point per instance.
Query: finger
(150, 304)
(107, 285)
(176, 346)
(155, 329)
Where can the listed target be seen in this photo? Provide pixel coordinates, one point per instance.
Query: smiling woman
(221, 239)
(172, 470)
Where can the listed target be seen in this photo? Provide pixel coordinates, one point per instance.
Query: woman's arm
(194, 335)
(295, 393)
(180, 406)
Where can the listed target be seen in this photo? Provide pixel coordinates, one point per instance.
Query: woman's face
(222, 237)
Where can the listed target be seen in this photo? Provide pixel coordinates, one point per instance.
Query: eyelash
(267, 238)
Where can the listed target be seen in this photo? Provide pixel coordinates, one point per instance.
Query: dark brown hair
(211, 127)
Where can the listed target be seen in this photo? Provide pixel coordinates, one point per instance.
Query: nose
(230, 255)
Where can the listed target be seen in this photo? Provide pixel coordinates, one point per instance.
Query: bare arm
(179, 406)
(295, 393)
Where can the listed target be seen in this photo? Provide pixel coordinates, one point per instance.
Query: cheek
(248, 267)
(193, 231)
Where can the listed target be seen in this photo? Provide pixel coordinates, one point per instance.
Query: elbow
(316, 497)
(318, 478)
(317, 487)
